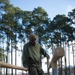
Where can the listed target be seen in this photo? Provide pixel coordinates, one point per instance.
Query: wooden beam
(6, 65)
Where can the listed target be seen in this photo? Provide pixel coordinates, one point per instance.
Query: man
(31, 56)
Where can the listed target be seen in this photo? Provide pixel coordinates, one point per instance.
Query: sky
(52, 7)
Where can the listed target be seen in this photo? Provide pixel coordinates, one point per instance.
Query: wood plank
(6, 65)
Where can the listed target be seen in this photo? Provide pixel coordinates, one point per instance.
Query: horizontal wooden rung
(6, 65)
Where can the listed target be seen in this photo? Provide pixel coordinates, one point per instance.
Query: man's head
(32, 39)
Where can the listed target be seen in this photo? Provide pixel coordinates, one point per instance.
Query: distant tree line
(16, 25)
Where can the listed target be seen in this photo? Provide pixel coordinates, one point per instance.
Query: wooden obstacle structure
(6, 65)
(57, 54)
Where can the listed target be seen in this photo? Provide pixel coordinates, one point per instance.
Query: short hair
(32, 36)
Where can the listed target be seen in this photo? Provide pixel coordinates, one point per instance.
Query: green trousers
(35, 70)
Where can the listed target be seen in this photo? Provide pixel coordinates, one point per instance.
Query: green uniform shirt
(32, 53)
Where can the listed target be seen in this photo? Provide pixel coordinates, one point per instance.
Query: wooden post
(58, 53)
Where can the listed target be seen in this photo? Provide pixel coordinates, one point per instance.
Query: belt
(36, 62)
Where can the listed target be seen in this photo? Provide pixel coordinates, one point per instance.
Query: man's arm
(44, 53)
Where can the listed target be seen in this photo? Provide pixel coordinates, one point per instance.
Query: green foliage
(2, 55)
(18, 24)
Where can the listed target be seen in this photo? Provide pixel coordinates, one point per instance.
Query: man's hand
(48, 57)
